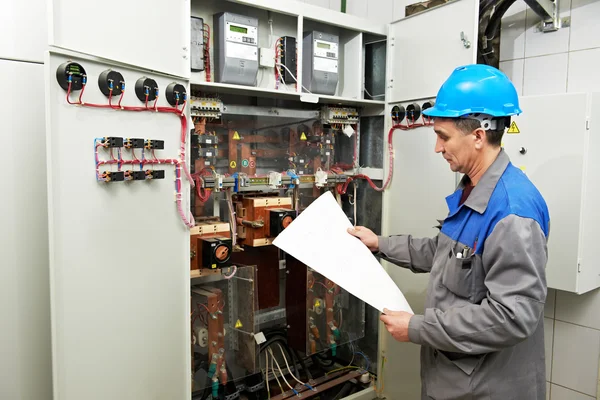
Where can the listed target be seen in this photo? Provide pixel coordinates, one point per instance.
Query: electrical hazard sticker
(303, 136)
(513, 128)
(232, 164)
(236, 135)
(238, 324)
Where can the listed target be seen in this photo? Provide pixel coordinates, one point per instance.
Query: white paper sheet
(319, 238)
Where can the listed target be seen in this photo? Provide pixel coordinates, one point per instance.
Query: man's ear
(479, 137)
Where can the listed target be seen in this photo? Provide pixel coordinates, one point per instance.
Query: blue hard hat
(476, 88)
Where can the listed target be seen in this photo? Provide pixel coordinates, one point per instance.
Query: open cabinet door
(153, 34)
(118, 227)
(422, 52)
(425, 48)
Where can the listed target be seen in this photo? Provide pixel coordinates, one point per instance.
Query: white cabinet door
(425, 48)
(153, 34)
(119, 251)
(551, 153)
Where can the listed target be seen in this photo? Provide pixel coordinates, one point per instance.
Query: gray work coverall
(482, 333)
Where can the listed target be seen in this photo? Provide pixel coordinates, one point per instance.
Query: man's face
(457, 148)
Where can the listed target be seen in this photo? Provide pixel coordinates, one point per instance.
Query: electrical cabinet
(560, 157)
(122, 257)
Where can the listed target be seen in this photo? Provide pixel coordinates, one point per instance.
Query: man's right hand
(366, 236)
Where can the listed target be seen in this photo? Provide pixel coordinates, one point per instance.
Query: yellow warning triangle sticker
(238, 324)
(317, 303)
(303, 136)
(236, 135)
(513, 128)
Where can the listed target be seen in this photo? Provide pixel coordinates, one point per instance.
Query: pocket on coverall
(451, 379)
(458, 273)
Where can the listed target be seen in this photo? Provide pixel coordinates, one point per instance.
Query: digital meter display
(323, 45)
(238, 29)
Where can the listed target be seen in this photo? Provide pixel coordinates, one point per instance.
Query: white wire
(267, 374)
(288, 365)
(273, 369)
(355, 223)
(293, 76)
(279, 368)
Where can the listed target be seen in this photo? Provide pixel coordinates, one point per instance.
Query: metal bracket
(465, 41)
(548, 12)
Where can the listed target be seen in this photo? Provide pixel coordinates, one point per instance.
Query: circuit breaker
(320, 64)
(236, 49)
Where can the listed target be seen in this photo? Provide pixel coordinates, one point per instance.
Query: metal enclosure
(157, 32)
(320, 69)
(422, 179)
(119, 253)
(560, 156)
(236, 48)
(434, 34)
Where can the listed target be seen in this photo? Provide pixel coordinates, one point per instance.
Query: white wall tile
(575, 360)
(561, 393)
(579, 309)
(550, 307)
(585, 30)
(512, 39)
(380, 11)
(335, 5)
(548, 340)
(545, 75)
(539, 43)
(583, 67)
(514, 70)
(356, 7)
(320, 3)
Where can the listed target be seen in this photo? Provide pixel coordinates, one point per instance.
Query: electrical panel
(197, 44)
(223, 327)
(321, 315)
(235, 49)
(288, 58)
(320, 62)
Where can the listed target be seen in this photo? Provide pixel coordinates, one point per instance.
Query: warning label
(238, 324)
(245, 163)
(513, 128)
(303, 136)
(232, 164)
(236, 135)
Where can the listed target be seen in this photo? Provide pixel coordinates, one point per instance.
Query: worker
(482, 332)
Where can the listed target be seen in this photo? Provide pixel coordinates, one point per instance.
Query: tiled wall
(544, 63)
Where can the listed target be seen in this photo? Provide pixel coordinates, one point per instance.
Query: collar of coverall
(480, 196)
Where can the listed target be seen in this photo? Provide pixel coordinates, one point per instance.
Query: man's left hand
(396, 322)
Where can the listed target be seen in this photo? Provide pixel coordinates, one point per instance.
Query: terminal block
(112, 176)
(113, 141)
(206, 107)
(339, 115)
(155, 144)
(155, 174)
(135, 175)
(134, 143)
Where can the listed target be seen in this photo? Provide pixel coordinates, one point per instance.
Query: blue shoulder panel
(514, 194)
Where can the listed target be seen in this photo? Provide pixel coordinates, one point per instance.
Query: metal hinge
(578, 266)
(587, 123)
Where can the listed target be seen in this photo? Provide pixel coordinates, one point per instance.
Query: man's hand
(396, 322)
(366, 236)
